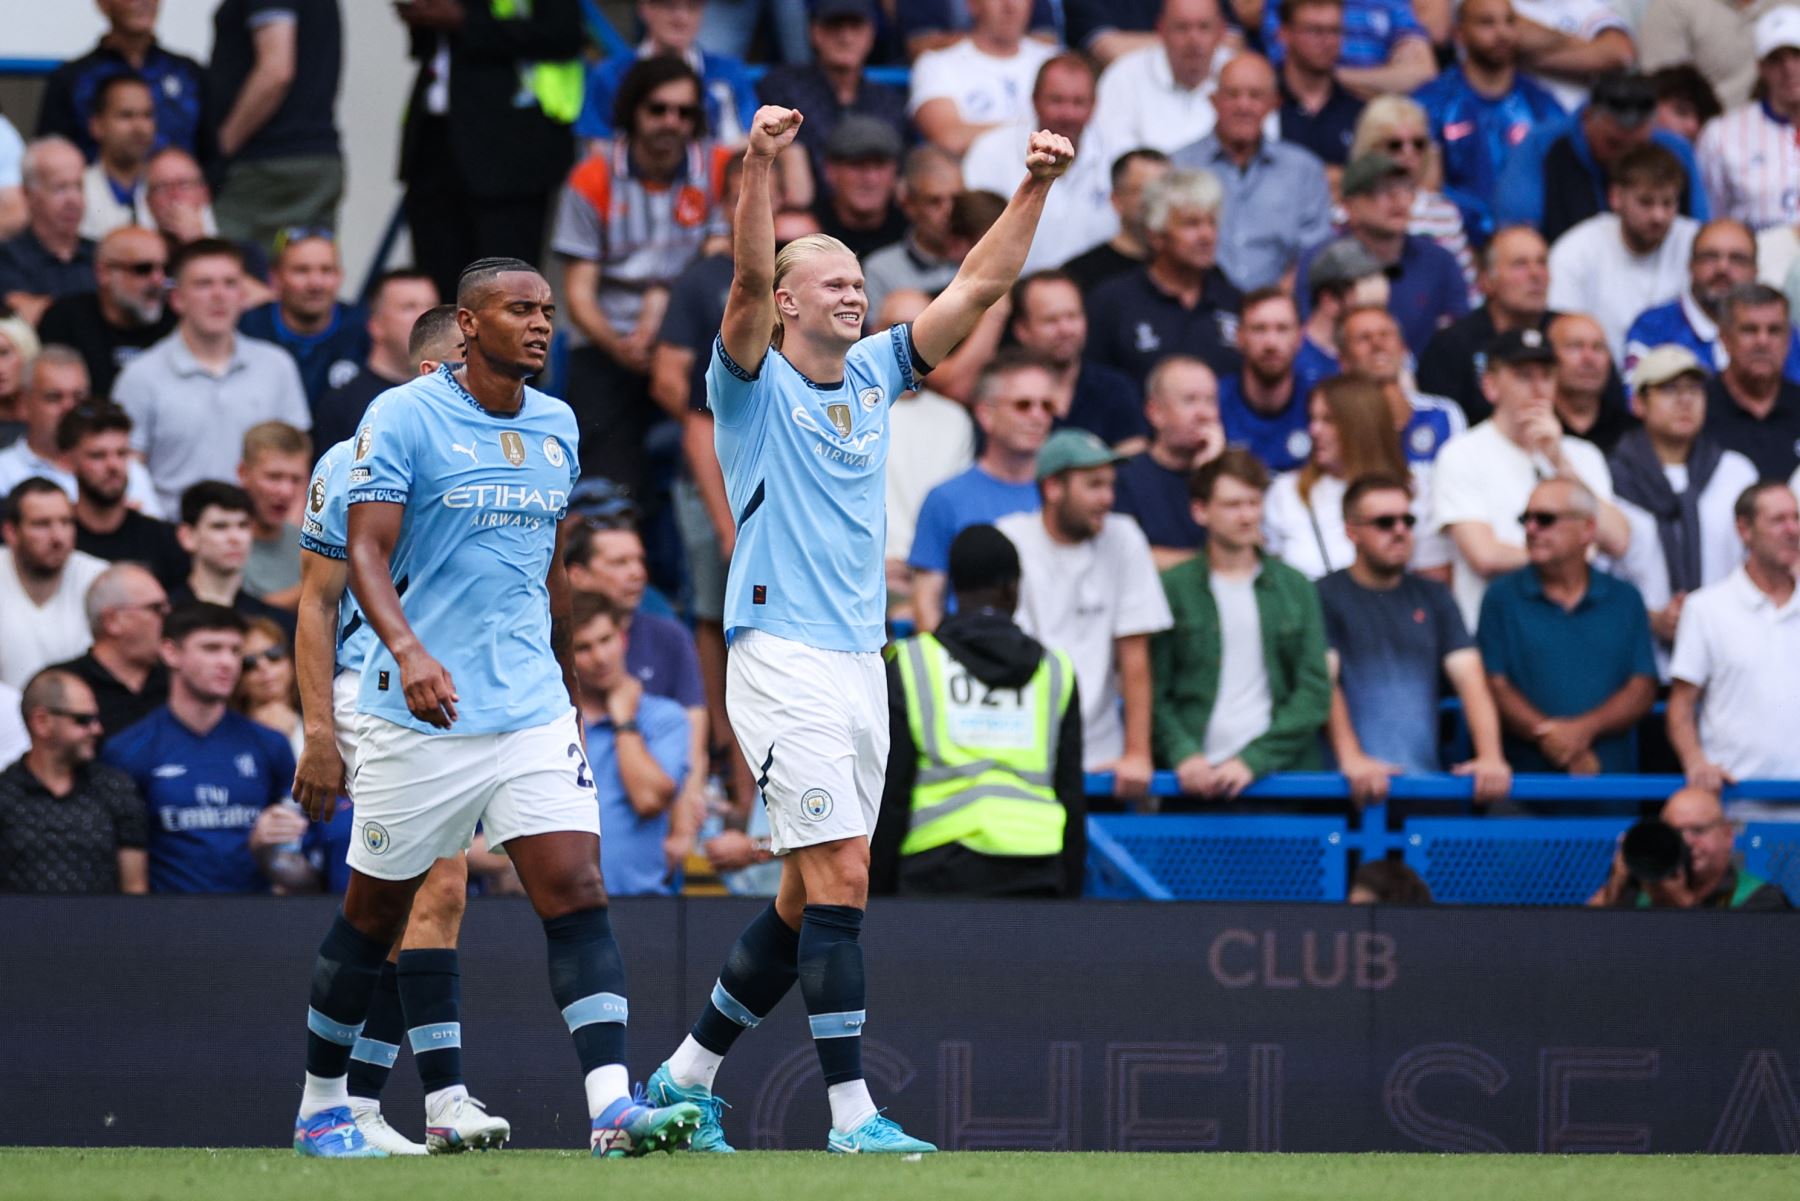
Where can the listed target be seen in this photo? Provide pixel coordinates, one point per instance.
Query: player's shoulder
(551, 410)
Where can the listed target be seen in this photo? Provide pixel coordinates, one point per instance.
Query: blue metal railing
(1442, 786)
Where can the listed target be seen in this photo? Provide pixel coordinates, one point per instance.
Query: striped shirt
(641, 232)
(1750, 164)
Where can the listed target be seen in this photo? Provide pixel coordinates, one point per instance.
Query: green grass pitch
(59, 1174)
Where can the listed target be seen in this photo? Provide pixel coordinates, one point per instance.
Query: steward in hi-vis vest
(984, 791)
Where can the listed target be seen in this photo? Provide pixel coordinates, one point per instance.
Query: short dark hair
(1374, 481)
(1684, 84)
(205, 248)
(1649, 166)
(1748, 296)
(396, 275)
(199, 617)
(973, 213)
(1068, 60)
(428, 329)
(1122, 164)
(481, 273)
(84, 421)
(1392, 882)
(35, 485)
(212, 494)
(1021, 289)
(1745, 508)
(1288, 8)
(578, 543)
(645, 77)
(981, 560)
(1235, 462)
(112, 83)
(585, 606)
(1008, 361)
(1264, 295)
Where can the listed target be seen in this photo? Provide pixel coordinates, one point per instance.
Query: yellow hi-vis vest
(560, 87)
(987, 756)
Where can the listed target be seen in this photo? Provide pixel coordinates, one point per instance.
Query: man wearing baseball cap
(862, 172)
(1678, 488)
(1749, 158)
(1342, 276)
(1559, 175)
(1089, 587)
(832, 86)
(1482, 479)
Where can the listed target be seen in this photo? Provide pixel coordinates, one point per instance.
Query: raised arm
(319, 777)
(374, 531)
(991, 268)
(750, 305)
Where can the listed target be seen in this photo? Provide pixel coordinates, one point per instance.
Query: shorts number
(582, 779)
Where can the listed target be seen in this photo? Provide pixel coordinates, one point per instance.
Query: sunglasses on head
(1387, 522)
(269, 654)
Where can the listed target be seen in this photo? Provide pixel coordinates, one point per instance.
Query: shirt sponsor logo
(360, 475)
(228, 817)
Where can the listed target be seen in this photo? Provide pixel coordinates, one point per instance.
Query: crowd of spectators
(1372, 352)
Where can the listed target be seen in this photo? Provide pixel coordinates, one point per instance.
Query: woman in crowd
(1397, 127)
(1352, 431)
(18, 347)
(266, 692)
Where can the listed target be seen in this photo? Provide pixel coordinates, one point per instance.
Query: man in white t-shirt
(930, 439)
(43, 582)
(1615, 265)
(56, 383)
(1737, 655)
(1483, 479)
(1678, 489)
(1089, 588)
(1160, 95)
(1079, 214)
(962, 91)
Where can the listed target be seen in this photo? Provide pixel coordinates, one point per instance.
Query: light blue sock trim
(438, 1036)
(597, 1007)
(370, 1050)
(733, 1008)
(838, 1025)
(332, 1031)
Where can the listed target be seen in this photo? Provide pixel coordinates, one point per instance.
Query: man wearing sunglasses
(1392, 636)
(124, 315)
(1567, 647)
(68, 824)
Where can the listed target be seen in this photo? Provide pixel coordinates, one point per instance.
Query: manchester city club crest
(840, 418)
(553, 451)
(315, 499)
(816, 804)
(870, 398)
(365, 438)
(375, 838)
(513, 447)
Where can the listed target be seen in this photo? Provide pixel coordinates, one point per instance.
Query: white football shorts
(418, 797)
(813, 725)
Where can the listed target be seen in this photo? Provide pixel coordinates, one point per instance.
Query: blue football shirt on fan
(805, 467)
(483, 493)
(203, 793)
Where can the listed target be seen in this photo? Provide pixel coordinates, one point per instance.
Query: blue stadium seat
(1227, 858)
(1772, 851)
(1513, 861)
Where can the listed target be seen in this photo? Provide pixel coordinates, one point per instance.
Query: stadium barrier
(1476, 859)
(1046, 1025)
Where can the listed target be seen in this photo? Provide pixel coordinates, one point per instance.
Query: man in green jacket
(1240, 680)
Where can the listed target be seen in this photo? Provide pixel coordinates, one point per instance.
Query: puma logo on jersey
(466, 450)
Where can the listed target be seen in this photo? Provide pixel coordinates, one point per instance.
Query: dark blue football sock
(587, 978)
(759, 971)
(831, 980)
(378, 1046)
(343, 983)
(431, 990)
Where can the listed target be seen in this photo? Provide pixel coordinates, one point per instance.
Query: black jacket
(499, 148)
(1001, 655)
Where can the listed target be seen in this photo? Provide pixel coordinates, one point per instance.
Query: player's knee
(575, 891)
(378, 908)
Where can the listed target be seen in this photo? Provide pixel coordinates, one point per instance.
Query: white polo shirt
(1078, 214)
(1485, 476)
(1079, 599)
(1138, 103)
(985, 88)
(1744, 653)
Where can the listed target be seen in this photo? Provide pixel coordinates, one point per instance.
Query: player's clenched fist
(430, 693)
(773, 129)
(1048, 154)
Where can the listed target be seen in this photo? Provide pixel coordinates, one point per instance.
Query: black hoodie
(1001, 655)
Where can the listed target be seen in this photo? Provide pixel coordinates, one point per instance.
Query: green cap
(1071, 450)
(1366, 174)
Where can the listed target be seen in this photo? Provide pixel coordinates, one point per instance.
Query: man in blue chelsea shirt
(328, 338)
(213, 779)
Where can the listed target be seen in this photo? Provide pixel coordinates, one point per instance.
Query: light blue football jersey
(483, 493)
(806, 472)
(325, 530)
